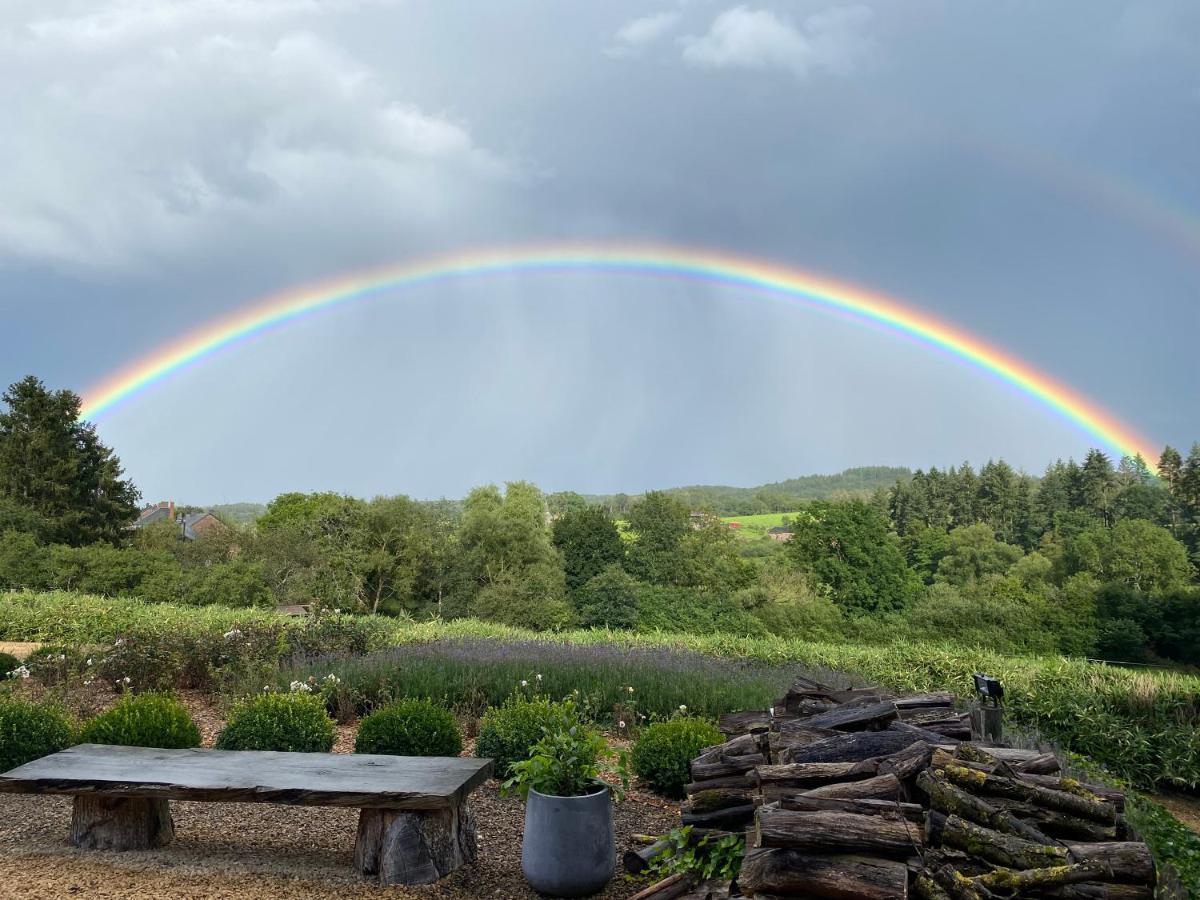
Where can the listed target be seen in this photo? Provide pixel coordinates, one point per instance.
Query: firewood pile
(858, 794)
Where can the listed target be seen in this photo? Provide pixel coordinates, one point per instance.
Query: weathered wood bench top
(304, 779)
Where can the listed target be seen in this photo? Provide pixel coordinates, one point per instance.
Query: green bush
(8, 665)
(410, 728)
(508, 732)
(54, 665)
(295, 722)
(29, 731)
(143, 720)
(141, 663)
(663, 755)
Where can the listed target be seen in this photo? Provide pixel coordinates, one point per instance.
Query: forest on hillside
(1094, 558)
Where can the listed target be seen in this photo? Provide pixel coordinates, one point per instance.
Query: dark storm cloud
(166, 163)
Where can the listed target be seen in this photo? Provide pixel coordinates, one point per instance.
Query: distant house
(191, 525)
(780, 533)
(195, 524)
(159, 512)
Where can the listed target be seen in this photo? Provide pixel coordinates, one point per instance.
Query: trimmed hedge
(296, 723)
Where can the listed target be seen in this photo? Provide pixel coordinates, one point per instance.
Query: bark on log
(1055, 824)
(120, 823)
(728, 765)
(414, 846)
(928, 889)
(850, 696)
(717, 799)
(916, 733)
(983, 843)
(811, 775)
(1129, 861)
(856, 746)
(947, 799)
(731, 819)
(796, 733)
(847, 717)
(1014, 882)
(913, 812)
(836, 832)
(769, 872)
(919, 701)
(742, 723)
(669, 888)
(881, 787)
(908, 762)
(747, 781)
(994, 785)
(1042, 764)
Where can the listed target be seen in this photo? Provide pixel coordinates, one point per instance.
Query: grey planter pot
(569, 850)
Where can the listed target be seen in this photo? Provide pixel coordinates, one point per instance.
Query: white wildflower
(62, 657)
(621, 724)
(87, 681)
(19, 672)
(538, 676)
(127, 680)
(333, 679)
(89, 662)
(524, 683)
(629, 689)
(682, 708)
(232, 635)
(120, 642)
(301, 686)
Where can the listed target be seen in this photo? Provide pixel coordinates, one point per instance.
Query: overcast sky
(1029, 171)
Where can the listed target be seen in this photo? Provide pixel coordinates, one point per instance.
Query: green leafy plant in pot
(569, 849)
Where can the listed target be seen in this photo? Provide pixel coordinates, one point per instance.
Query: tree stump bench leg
(120, 823)
(402, 846)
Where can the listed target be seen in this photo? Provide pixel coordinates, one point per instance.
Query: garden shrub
(141, 663)
(143, 720)
(663, 755)
(410, 728)
(29, 731)
(8, 665)
(295, 722)
(508, 732)
(55, 665)
(336, 633)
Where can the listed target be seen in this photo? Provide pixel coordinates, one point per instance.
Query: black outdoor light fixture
(989, 688)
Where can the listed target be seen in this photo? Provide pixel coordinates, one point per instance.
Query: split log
(908, 762)
(881, 787)
(913, 812)
(948, 799)
(984, 843)
(1042, 764)
(814, 774)
(745, 781)
(918, 701)
(728, 765)
(852, 717)
(670, 888)
(100, 822)
(741, 723)
(767, 872)
(797, 733)
(855, 746)
(737, 746)
(733, 818)
(716, 799)
(1129, 861)
(995, 785)
(836, 832)
(414, 846)
(916, 733)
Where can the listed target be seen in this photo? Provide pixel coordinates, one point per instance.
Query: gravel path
(259, 850)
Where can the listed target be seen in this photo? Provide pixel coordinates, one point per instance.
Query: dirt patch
(259, 850)
(1183, 807)
(19, 649)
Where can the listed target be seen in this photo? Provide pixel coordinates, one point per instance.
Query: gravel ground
(244, 850)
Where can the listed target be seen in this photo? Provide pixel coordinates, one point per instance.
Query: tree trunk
(882, 787)
(836, 832)
(805, 776)
(981, 783)
(984, 843)
(946, 798)
(414, 846)
(1130, 861)
(716, 799)
(798, 874)
(908, 762)
(871, 717)
(886, 808)
(857, 746)
(1014, 882)
(728, 765)
(120, 823)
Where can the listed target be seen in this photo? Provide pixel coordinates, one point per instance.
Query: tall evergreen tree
(55, 465)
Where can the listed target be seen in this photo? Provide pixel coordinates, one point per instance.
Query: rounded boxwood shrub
(294, 722)
(143, 720)
(410, 728)
(29, 731)
(663, 755)
(8, 665)
(508, 732)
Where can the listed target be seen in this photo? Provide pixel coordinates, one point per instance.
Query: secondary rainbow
(757, 276)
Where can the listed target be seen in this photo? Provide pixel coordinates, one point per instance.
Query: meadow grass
(757, 526)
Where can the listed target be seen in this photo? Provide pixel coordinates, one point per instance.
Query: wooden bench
(415, 824)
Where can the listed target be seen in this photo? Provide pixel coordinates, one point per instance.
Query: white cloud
(638, 34)
(213, 115)
(831, 41)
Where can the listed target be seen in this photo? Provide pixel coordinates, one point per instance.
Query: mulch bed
(244, 850)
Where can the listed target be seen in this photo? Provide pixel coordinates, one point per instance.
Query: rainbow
(811, 290)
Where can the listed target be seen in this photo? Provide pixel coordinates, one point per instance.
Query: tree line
(1091, 558)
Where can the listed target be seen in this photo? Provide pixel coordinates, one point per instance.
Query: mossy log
(1129, 861)
(925, 887)
(793, 873)
(948, 799)
(828, 831)
(981, 782)
(984, 843)
(881, 787)
(913, 812)
(1013, 882)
